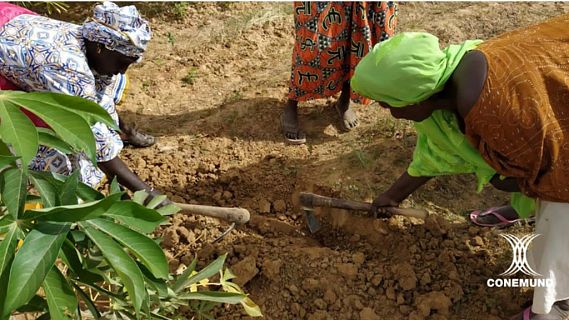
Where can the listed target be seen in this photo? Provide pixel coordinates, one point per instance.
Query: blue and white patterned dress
(41, 54)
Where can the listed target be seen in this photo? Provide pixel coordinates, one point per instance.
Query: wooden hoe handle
(312, 200)
(237, 215)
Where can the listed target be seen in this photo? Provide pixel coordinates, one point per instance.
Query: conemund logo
(519, 264)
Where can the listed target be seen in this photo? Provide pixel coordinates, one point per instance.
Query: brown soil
(212, 87)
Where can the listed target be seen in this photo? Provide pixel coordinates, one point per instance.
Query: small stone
(264, 206)
(245, 270)
(368, 314)
(330, 296)
(348, 270)
(310, 284)
(272, 269)
(227, 195)
(425, 279)
(279, 206)
(390, 293)
(477, 241)
(170, 238)
(358, 258)
(400, 299)
(320, 304)
(376, 280)
(293, 289)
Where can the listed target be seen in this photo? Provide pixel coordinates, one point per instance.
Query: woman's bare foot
(347, 115)
(290, 125)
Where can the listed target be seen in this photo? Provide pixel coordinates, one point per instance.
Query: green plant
(171, 38)
(62, 240)
(191, 76)
(48, 6)
(181, 9)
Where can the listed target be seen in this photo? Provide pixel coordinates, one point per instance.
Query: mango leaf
(88, 110)
(135, 216)
(64, 122)
(73, 213)
(204, 273)
(49, 138)
(85, 192)
(88, 302)
(33, 261)
(7, 162)
(36, 304)
(14, 194)
(69, 189)
(8, 247)
(17, 130)
(168, 210)
(72, 259)
(61, 299)
(159, 285)
(47, 190)
(144, 248)
(123, 264)
(139, 196)
(115, 188)
(214, 296)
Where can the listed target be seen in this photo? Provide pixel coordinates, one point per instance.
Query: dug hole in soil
(212, 87)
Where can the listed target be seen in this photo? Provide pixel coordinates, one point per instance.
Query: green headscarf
(408, 68)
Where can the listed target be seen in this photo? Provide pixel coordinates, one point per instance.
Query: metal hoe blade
(313, 223)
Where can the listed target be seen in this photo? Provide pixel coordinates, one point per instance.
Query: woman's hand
(379, 207)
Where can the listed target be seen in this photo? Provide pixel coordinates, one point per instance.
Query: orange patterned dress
(331, 38)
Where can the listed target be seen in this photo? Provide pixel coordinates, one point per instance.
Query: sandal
(139, 139)
(503, 222)
(287, 129)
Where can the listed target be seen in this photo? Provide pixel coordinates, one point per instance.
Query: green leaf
(7, 161)
(123, 264)
(33, 261)
(68, 194)
(139, 196)
(8, 247)
(73, 261)
(135, 216)
(181, 280)
(168, 210)
(251, 308)
(73, 213)
(36, 304)
(156, 201)
(61, 299)
(212, 269)
(88, 110)
(17, 129)
(115, 188)
(64, 122)
(214, 296)
(47, 190)
(144, 248)
(48, 138)
(14, 194)
(160, 285)
(88, 302)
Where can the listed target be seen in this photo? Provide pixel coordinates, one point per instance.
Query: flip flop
(492, 211)
(290, 140)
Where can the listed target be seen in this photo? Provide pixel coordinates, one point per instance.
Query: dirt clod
(245, 270)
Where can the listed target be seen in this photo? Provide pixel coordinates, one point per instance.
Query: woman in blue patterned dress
(42, 54)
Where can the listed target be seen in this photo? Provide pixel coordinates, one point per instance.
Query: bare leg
(290, 124)
(347, 114)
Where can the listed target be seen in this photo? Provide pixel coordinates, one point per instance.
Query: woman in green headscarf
(497, 109)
